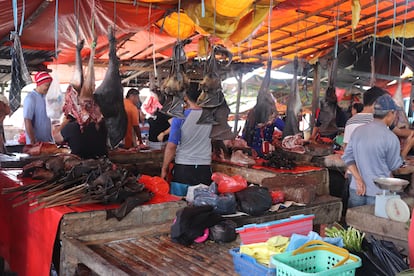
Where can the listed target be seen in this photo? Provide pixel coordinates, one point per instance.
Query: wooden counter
(363, 218)
(318, 177)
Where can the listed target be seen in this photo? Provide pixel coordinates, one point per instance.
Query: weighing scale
(389, 204)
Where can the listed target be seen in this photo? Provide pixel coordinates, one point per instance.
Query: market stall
(27, 233)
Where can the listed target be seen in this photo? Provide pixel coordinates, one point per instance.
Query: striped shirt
(355, 121)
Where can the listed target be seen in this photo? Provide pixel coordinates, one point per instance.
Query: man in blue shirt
(37, 124)
(372, 152)
(189, 146)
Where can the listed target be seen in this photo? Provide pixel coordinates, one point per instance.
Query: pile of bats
(69, 180)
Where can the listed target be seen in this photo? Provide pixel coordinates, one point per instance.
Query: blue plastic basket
(316, 258)
(246, 265)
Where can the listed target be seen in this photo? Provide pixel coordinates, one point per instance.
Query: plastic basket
(246, 265)
(254, 233)
(316, 258)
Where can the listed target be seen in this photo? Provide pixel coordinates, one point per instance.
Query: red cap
(42, 77)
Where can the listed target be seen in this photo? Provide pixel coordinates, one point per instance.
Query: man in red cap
(37, 123)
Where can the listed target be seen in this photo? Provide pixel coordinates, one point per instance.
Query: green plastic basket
(316, 258)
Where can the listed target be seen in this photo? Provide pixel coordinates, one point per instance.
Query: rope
(56, 27)
(178, 18)
(15, 9)
(22, 20)
(151, 38)
(375, 28)
(203, 9)
(76, 9)
(269, 22)
(215, 15)
(337, 33)
(114, 16)
(403, 42)
(93, 45)
(15, 17)
(392, 38)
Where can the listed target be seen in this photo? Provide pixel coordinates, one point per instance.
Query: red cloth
(27, 239)
(411, 241)
(298, 169)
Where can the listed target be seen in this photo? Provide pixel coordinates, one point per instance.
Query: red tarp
(27, 239)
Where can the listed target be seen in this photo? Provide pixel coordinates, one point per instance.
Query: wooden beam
(330, 30)
(126, 80)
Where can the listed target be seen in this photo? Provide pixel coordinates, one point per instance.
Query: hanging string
(56, 28)
(15, 17)
(392, 37)
(375, 28)
(93, 45)
(152, 39)
(76, 8)
(269, 38)
(215, 15)
(373, 79)
(178, 18)
(403, 41)
(114, 15)
(336, 33)
(203, 9)
(22, 20)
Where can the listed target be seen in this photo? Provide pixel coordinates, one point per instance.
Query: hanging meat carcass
(109, 97)
(265, 104)
(211, 99)
(294, 105)
(79, 102)
(177, 83)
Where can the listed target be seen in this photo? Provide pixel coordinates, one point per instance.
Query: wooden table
(144, 247)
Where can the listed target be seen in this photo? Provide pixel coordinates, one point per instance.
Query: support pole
(315, 93)
(239, 78)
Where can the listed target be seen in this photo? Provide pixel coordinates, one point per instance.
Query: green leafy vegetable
(351, 236)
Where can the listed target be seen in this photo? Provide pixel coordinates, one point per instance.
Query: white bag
(54, 99)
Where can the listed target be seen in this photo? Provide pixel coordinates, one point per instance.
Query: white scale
(389, 204)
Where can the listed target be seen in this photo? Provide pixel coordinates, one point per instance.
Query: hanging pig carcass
(110, 99)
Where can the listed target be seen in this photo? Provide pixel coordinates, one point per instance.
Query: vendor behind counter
(88, 142)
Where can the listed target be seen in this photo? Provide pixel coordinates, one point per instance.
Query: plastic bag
(224, 231)
(54, 99)
(192, 190)
(229, 184)
(155, 184)
(226, 204)
(254, 200)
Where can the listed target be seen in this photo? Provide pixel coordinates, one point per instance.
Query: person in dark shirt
(159, 128)
(90, 142)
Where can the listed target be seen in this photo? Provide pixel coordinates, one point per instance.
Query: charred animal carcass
(177, 83)
(211, 99)
(109, 97)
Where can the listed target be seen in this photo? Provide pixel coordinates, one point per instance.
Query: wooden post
(239, 79)
(315, 93)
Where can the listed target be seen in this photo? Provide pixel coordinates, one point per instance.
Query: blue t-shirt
(376, 157)
(34, 108)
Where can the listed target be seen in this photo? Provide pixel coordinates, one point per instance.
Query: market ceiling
(147, 29)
